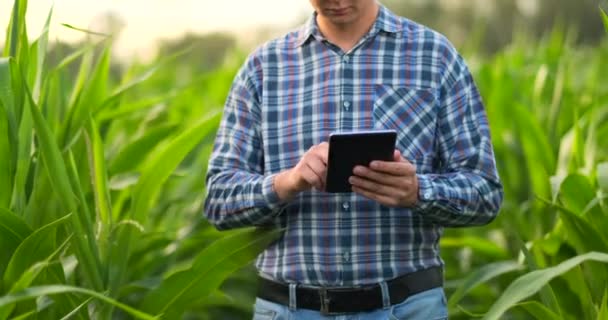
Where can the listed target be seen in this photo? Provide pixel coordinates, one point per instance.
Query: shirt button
(427, 195)
(346, 256)
(345, 206)
(346, 58)
(346, 105)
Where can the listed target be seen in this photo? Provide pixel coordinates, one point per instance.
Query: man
(372, 253)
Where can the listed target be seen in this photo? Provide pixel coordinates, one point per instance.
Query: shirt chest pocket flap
(412, 113)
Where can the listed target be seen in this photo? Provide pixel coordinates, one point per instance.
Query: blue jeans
(426, 305)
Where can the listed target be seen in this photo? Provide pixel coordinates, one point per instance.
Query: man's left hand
(393, 184)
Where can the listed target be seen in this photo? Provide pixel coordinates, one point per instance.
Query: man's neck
(346, 36)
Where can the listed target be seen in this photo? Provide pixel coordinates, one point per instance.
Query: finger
(398, 168)
(322, 151)
(379, 177)
(377, 188)
(314, 174)
(397, 156)
(383, 199)
(319, 167)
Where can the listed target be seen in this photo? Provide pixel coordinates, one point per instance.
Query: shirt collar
(386, 21)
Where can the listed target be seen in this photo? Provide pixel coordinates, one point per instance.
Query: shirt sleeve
(467, 189)
(239, 194)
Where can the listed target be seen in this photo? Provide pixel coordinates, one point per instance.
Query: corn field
(102, 185)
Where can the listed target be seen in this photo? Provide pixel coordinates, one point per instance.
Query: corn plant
(98, 218)
(548, 110)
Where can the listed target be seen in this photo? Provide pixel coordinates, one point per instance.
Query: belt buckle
(325, 300)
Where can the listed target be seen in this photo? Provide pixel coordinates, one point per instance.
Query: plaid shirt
(294, 91)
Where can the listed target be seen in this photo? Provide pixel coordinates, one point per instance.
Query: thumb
(397, 156)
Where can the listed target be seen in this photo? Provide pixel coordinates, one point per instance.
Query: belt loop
(292, 297)
(386, 298)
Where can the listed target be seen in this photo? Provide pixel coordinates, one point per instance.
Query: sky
(147, 21)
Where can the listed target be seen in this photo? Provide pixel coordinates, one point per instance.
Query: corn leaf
(479, 245)
(481, 275)
(85, 235)
(578, 195)
(149, 185)
(539, 311)
(603, 313)
(134, 154)
(6, 160)
(35, 248)
(210, 268)
(537, 150)
(35, 292)
(530, 283)
(130, 108)
(60, 180)
(16, 29)
(13, 230)
(93, 90)
(99, 178)
(28, 277)
(159, 168)
(602, 176)
(578, 285)
(547, 294)
(52, 158)
(8, 96)
(41, 47)
(583, 236)
(24, 160)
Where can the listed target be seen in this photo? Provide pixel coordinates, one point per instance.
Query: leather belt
(353, 299)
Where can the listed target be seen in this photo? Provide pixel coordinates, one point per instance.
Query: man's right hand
(309, 173)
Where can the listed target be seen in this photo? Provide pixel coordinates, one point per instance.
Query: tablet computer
(350, 149)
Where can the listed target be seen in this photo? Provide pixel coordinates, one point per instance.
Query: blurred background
(117, 106)
(148, 28)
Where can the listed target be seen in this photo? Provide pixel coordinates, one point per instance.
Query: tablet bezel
(346, 150)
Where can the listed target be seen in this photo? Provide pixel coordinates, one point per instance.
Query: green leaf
(35, 248)
(24, 159)
(603, 313)
(77, 309)
(99, 177)
(6, 162)
(576, 192)
(159, 168)
(210, 268)
(16, 30)
(35, 292)
(13, 230)
(536, 148)
(547, 294)
(153, 177)
(129, 108)
(135, 153)
(602, 176)
(82, 223)
(582, 235)
(7, 95)
(481, 275)
(577, 284)
(530, 283)
(52, 158)
(477, 244)
(28, 277)
(94, 90)
(42, 43)
(12, 226)
(539, 311)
